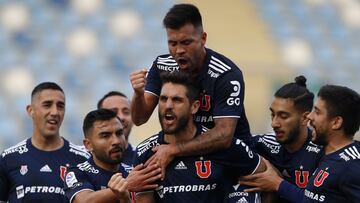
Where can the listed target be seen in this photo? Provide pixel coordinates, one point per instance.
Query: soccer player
(222, 94)
(335, 119)
(290, 149)
(119, 103)
(34, 169)
(197, 178)
(102, 177)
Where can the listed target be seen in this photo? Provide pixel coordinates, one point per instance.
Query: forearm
(290, 192)
(105, 195)
(140, 112)
(210, 141)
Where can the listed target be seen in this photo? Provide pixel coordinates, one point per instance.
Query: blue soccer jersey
(337, 178)
(32, 175)
(88, 176)
(205, 178)
(222, 92)
(128, 155)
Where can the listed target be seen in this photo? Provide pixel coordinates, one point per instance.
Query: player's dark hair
(109, 94)
(297, 91)
(344, 102)
(182, 78)
(97, 115)
(45, 86)
(182, 14)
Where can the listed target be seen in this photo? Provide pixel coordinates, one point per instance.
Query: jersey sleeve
(153, 82)
(267, 146)
(76, 181)
(350, 184)
(239, 157)
(4, 185)
(228, 101)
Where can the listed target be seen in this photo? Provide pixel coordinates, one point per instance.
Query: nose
(54, 110)
(180, 50)
(169, 104)
(275, 123)
(310, 116)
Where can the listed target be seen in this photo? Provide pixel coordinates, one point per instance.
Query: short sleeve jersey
(222, 93)
(88, 176)
(31, 175)
(295, 167)
(337, 178)
(203, 178)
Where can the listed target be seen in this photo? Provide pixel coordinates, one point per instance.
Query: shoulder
(77, 150)
(86, 167)
(147, 145)
(19, 149)
(219, 65)
(350, 153)
(267, 142)
(165, 63)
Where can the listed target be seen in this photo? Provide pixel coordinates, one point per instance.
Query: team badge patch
(70, 179)
(23, 169)
(203, 168)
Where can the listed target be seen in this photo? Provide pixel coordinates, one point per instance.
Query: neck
(45, 143)
(336, 141)
(186, 134)
(299, 142)
(105, 166)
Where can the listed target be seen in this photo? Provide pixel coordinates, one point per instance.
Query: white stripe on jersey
(216, 69)
(147, 141)
(167, 64)
(353, 152)
(164, 58)
(220, 63)
(270, 141)
(270, 137)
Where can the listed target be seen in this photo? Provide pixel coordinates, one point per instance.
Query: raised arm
(142, 103)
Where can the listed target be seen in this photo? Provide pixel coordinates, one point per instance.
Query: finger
(255, 189)
(155, 149)
(249, 183)
(163, 169)
(151, 186)
(138, 167)
(150, 161)
(153, 179)
(113, 179)
(249, 177)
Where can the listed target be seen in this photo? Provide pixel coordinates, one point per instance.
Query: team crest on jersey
(23, 169)
(301, 178)
(62, 172)
(205, 102)
(203, 168)
(320, 178)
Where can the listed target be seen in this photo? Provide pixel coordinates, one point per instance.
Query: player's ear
(203, 38)
(337, 122)
(87, 144)
(30, 110)
(304, 118)
(195, 106)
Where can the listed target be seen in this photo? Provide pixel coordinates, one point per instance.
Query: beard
(293, 135)
(320, 139)
(180, 124)
(103, 157)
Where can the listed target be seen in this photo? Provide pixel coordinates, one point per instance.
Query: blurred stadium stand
(90, 47)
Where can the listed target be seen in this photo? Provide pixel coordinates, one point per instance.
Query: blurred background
(90, 47)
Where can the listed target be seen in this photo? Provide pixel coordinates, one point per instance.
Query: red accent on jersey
(62, 172)
(301, 178)
(199, 169)
(320, 178)
(205, 102)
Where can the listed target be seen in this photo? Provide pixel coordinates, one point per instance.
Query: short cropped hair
(45, 86)
(182, 14)
(109, 94)
(344, 102)
(185, 79)
(297, 91)
(97, 115)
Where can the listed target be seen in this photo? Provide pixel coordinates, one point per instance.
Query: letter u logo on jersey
(200, 168)
(301, 178)
(320, 178)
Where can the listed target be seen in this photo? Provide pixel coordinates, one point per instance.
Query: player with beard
(102, 178)
(290, 149)
(120, 104)
(335, 119)
(33, 170)
(197, 178)
(222, 87)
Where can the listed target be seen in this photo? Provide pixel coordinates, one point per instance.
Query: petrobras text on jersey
(21, 192)
(204, 119)
(184, 188)
(314, 196)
